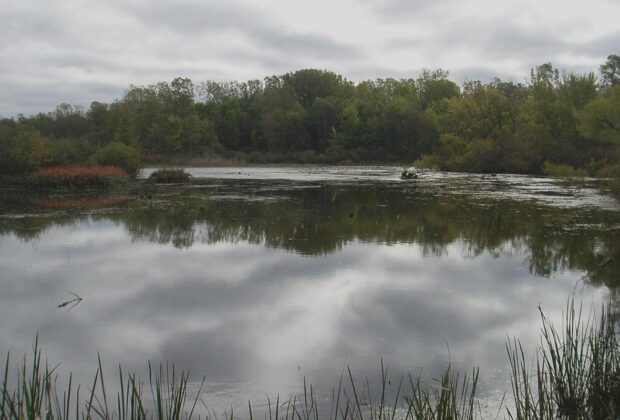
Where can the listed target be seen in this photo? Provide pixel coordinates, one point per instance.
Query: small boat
(409, 173)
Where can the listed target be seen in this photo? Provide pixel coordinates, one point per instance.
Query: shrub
(482, 155)
(22, 150)
(121, 155)
(67, 152)
(609, 171)
(78, 176)
(562, 170)
(427, 162)
(307, 156)
(170, 176)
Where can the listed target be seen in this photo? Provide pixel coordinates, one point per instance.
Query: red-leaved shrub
(78, 176)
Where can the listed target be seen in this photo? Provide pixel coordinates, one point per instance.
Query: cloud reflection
(269, 290)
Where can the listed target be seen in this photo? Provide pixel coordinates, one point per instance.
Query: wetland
(259, 277)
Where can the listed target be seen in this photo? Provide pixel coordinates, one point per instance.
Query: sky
(79, 51)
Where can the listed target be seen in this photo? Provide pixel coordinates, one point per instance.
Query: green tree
(434, 86)
(600, 120)
(22, 149)
(119, 154)
(309, 85)
(610, 71)
(99, 120)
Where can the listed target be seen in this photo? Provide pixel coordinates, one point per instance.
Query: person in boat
(409, 174)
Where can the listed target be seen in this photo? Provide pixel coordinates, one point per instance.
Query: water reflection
(320, 219)
(258, 283)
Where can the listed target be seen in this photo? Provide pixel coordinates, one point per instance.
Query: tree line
(550, 122)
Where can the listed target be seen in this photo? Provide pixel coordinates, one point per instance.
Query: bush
(482, 155)
(562, 170)
(427, 162)
(170, 176)
(78, 176)
(307, 156)
(22, 150)
(609, 171)
(612, 172)
(67, 152)
(121, 155)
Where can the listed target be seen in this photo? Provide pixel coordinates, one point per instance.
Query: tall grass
(575, 374)
(576, 371)
(37, 395)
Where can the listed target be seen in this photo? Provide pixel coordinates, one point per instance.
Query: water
(259, 277)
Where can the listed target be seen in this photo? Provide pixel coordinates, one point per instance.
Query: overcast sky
(78, 51)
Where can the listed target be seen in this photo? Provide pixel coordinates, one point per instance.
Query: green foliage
(68, 151)
(609, 171)
(309, 85)
(451, 399)
(435, 86)
(40, 395)
(562, 170)
(315, 115)
(121, 155)
(610, 71)
(577, 373)
(600, 120)
(428, 162)
(22, 149)
(482, 155)
(170, 176)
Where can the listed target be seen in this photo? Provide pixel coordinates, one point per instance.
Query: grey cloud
(13, 101)
(406, 10)
(315, 45)
(194, 17)
(219, 309)
(501, 38)
(255, 24)
(602, 46)
(77, 52)
(213, 352)
(366, 71)
(483, 74)
(59, 53)
(421, 320)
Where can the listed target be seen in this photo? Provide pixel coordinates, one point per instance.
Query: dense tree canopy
(310, 115)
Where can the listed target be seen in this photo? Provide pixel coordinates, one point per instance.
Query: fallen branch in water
(73, 302)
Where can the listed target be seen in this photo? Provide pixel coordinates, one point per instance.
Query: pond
(261, 277)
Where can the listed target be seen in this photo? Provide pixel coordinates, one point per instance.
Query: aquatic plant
(37, 394)
(170, 176)
(576, 376)
(576, 373)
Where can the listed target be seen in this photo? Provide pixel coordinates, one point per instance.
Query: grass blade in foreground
(575, 374)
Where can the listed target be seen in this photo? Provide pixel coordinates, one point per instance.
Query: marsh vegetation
(574, 374)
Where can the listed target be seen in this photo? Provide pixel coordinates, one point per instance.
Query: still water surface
(258, 277)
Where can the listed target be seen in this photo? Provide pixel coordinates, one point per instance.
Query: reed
(37, 395)
(574, 374)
